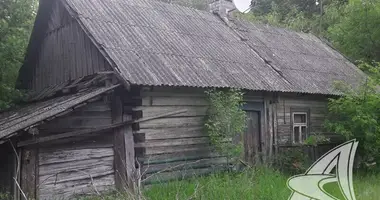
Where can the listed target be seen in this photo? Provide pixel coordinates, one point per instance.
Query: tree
(357, 34)
(356, 115)
(351, 26)
(299, 15)
(16, 21)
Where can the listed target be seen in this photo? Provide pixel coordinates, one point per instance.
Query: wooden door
(252, 138)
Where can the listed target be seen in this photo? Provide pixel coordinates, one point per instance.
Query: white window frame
(299, 125)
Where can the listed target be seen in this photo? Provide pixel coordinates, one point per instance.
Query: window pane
(299, 118)
(296, 135)
(303, 130)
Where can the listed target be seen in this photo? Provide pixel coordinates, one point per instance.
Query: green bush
(356, 115)
(292, 161)
(226, 121)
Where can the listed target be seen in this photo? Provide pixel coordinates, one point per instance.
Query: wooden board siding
(78, 165)
(65, 54)
(316, 105)
(67, 172)
(58, 17)
(175, 146)
(94, 114)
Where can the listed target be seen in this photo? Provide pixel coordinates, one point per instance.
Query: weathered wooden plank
(62, 155)
(173, 142)
(173, 122)
(175, 101)
(29, 167)
(93, 131)
(159, 116)
(313, 113)
(67, 190)
(171, 133)
(150, 151)
(73, 175)
(275, 128)
(78, 165)
(176, 90)
(129, 154)
(200, 94)
(77, 122)
(80, 142)
(314, 105)
(191, 111)
(270, 129)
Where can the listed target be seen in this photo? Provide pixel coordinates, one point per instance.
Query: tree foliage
(351, 26)
(226, 121)
(357, 114)
(16, 20)
(357, 34)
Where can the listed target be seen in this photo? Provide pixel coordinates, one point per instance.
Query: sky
(242, 5)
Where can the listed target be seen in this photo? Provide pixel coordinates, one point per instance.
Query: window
(299, 126)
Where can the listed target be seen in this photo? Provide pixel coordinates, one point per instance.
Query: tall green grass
(261, 183)
(258, 184)
(253, 184)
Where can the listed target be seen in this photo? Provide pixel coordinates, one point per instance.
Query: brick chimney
(222, 7)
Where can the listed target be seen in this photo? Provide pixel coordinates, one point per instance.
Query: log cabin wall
(175, 143)
(314, 105)
(65, 53)
(78, 165)
(176, 146)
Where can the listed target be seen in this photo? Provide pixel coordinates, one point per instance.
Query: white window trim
(299, 125)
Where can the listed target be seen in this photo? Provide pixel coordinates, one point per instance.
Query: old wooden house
(116, 89)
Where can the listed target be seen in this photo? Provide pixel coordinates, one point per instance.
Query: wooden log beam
(91, 131)
(70, 134)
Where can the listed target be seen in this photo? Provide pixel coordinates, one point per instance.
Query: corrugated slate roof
(24, 117)
(306, 62)
(155, 43)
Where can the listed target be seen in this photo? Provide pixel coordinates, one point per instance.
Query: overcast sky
(242, 5)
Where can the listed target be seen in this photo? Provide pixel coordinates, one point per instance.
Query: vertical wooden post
(270, 130)
(119, 146)
(29, 168)
(123, 145)
(129, 155)
(275, 131)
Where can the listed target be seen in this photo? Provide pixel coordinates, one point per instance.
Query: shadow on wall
(6, 169)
